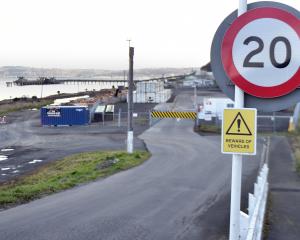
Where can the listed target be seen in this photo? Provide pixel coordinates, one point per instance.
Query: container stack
(149, 87)
(64, 115)
(151, 92)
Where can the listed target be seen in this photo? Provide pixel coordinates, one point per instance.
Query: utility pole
(130, 101)
(237, 160)
(42, 86)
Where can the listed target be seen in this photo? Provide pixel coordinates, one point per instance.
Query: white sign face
(266, 52)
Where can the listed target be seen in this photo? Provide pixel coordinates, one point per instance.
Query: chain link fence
(265, 123)
(120, 119)
(143, 120)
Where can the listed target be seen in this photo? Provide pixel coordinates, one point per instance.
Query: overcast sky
(93, 33)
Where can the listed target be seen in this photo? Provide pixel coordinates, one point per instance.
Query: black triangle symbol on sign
(233, 129)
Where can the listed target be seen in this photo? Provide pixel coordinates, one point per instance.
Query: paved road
(182, 192)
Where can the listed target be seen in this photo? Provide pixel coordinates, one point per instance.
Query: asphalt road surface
(33, 145)
(181, 192)
(284, 216)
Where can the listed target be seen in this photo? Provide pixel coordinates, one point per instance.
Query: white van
(213, 108)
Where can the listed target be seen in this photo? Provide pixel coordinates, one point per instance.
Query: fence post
(119, 117)
(296, 115)
(103, 117)
(150, 118)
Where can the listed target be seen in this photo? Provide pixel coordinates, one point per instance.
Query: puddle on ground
(7, 149)
(3, 174)
(3, 158)
(16, 171)
(35, 161)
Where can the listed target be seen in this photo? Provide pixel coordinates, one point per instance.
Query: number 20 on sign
(239, 131)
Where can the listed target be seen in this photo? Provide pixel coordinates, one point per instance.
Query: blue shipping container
(65, 115)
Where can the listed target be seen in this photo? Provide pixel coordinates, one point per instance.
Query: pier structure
(108, 82)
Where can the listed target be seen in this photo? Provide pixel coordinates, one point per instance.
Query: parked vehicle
(213, 108)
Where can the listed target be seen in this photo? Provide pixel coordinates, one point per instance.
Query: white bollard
(130, 141)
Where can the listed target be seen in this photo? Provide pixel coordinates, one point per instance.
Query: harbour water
(47, 90)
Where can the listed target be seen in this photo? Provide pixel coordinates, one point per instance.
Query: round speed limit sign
(260, 53)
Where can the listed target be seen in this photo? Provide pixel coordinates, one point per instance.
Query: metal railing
(251, 224)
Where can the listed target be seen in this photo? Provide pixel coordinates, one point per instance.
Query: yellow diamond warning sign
(239, 131)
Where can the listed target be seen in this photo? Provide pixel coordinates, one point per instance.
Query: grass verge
(208, 129)
(67, 173)
(297, 156)
(13, 107)
(268, 217)
(295, 142)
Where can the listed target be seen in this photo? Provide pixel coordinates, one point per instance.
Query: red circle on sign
(227, 58)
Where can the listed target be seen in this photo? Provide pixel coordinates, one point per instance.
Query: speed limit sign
(260, 53)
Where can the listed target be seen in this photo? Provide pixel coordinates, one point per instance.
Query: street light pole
(130, 101)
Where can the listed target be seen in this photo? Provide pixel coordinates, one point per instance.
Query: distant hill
(28, 72)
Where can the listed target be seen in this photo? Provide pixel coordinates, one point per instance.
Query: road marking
(35, 161)
(5, 169)
(3, 158)
(7, 150)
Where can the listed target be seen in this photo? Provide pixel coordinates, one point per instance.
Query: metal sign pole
(236, 178)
